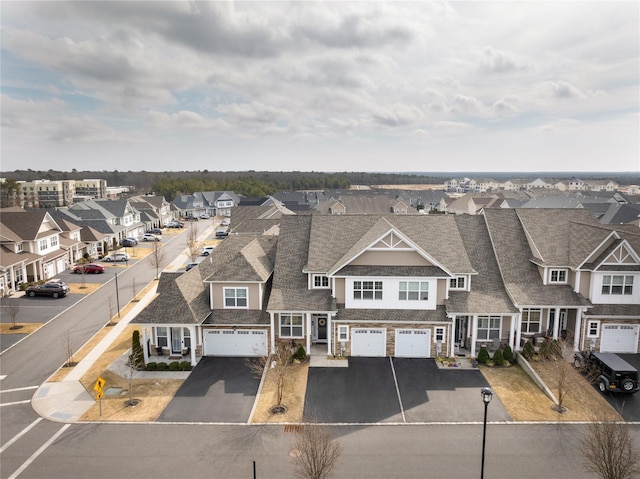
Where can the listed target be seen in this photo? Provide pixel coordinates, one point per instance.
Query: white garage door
(619, 338)
(413, 343)
(242, 342)
(368, 342)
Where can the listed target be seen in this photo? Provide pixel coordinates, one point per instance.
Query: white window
(367, 290)
(290, 325)
(617, 284)
(161, 337)
(439, 336)
(413, 291)
(558, 276)
(19, 247)
(17, 273)
(531, 320)
(488, 327)
(320, 281)
(186, 337)
(42, 244)
(457, 283)
(235, 297)
(343, 332)
(593, 329)
(53, 241)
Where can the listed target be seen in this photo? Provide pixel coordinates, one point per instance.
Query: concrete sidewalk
(68, 400)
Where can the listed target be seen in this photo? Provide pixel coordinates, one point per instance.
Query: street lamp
(487, 394)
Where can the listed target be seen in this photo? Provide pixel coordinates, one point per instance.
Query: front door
(319, 328)
(176, 340)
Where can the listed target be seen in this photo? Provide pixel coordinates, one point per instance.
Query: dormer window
(457, 283)
(558, 276)
(19, 247)
(320, 281)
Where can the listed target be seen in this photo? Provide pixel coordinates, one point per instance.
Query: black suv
(610, 371)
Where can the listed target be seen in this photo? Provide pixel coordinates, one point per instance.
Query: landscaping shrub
(137, 355)
(528, 351)
(152, 366)
(300, 354)
(556, 349)
(507, 354)
(483, 355)
(174, 366)
(185, 365)
(498, 359)
(162, 366)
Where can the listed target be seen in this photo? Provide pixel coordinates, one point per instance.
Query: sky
(320, 86)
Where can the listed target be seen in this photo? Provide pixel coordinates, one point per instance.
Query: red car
(89, 268)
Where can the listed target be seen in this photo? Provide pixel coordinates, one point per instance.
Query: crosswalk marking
(19, 389)
(35, 455)
(15, 402)
(20, 434)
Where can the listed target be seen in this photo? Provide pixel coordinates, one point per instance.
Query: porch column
(144, 344)
(307, 317)
(577, 334)
(194, 343)
(329, 333)
(474, 334)
(512, 332)
(273, 332)
(518, 332)
(452, 336)
(556, 323)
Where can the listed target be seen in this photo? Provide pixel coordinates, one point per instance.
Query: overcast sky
(328, 86)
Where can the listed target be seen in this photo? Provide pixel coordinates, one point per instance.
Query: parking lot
(397, 390)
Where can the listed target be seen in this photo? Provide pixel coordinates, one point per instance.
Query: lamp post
(487, 394)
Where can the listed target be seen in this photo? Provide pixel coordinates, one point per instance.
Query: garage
(369, 342)
(230, 342)
(619, 338)
(413, 343)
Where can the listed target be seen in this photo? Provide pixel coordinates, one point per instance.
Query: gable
(621, 255)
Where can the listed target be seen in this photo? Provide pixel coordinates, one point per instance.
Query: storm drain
(294, 428)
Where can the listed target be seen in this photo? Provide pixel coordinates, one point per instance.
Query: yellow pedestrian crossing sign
(100, 394)
(99, 385)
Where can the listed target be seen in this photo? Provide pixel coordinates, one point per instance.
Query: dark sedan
(56, 289)
(89, 268)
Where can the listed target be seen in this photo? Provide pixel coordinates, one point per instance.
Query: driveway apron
(217, 390)
(627, 404)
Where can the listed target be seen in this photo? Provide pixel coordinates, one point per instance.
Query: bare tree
(127, 369)
(67, 344)
(563, 352)
(157, 258)
(110, 300)
(316, 452)
(12, 311)
(278, 368)
(609, 450)
(192, 242)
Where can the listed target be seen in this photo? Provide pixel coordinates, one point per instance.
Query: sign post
(99, 388)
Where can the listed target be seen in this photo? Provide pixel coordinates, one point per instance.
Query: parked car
(611, 372)
(207, 250)
(221, 234)
(116, 257)
(175, 224)
(55, 289)
(225, 223)
(127, 242)
(150, 237)
(89, 268)
(191, 265)
(155, 231)
(204, 216)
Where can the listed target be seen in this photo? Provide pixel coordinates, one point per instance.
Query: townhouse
(406, 286)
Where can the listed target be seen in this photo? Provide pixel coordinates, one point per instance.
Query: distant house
(212, 203)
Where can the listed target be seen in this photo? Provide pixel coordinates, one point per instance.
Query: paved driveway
(375, 390)
(627, 404)
(217, 390)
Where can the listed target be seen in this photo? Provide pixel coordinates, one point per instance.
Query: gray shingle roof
(399, 315)
(243, 258)
(615, 310)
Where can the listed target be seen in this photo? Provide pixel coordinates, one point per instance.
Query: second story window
(53, 241)
(413, 291)
(235, 297)
(617, 284)
(367, 290)
(558, 276)
(457, 283)
(42, 244)
(19, 247)
(320, 282)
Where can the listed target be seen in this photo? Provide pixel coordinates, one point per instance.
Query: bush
(174, 366)
(152, 366)
(498, 359)
(300, 354)
(528, 351)
(556, 349)
(163, 366)
(507, 354)
(185, 365)
(483, 355)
